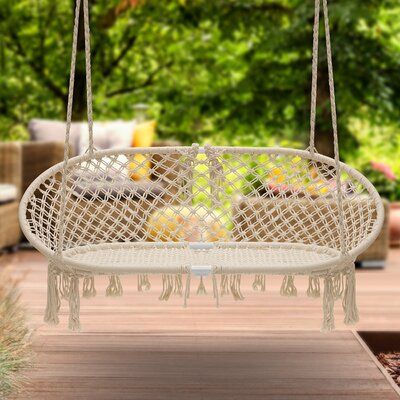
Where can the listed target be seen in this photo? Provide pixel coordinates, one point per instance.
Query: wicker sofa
(20, 164)
(10, 173)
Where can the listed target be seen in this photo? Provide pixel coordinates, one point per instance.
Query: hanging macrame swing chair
(216, 212)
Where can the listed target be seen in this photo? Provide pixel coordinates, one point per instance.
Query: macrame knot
(194, 149)
(288, 288)
(216, 171)
(186, 173)
(114, 287)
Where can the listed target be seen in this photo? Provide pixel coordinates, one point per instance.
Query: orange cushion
(143, 134)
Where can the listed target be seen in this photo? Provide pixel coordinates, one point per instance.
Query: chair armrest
(37, 157)
(379, 250)
(166, 143)
(11, 164)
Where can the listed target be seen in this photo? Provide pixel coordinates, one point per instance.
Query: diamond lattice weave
(226, 196)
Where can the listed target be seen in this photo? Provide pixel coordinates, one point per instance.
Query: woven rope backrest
(68, 225)
(226, 194)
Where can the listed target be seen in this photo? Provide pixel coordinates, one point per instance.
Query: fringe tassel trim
(215, 289)
(224, 284)
(74, 304)
(178, 285)
(328, 305)
(288, 288)
(187, 290)
(88, 289)
(201, 290)
(168, 287)
(231, 284)
(114, 288)
(234, 283)
(259, 283)
(53, 297)
(172, 284)
(143, 283)
(349, 298)
(338, 285)
(64, 285)
(314, 288)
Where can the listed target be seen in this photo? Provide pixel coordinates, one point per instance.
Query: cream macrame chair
(221, 212)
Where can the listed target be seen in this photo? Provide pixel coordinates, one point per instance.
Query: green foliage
(10, 132)
(385, 182)
(228, 71)
(378, 143)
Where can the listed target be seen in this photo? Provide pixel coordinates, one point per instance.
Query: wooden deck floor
(266, 347)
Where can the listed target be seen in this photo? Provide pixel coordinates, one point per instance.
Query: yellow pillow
(143, 136)
(176, 224)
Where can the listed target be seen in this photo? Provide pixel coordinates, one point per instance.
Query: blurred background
(228, 71)
(232, 72)
(168, 72)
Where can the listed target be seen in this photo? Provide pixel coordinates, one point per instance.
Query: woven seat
(128, 258)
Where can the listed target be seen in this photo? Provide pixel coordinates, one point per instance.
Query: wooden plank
(275, 365)
(383, 370)
(136, 347)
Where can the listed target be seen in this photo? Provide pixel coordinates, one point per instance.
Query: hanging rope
(70, 105)
(314, 77)
(333, 108)
(88, 74)
(68, 129)
(335, 130)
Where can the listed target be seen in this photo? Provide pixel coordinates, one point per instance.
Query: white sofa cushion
(100, 137)
(8, 193)
(107, 135)
(44, 130)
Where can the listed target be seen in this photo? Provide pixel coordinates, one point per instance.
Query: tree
(276, 83)
(236, 71)
(38, 39)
